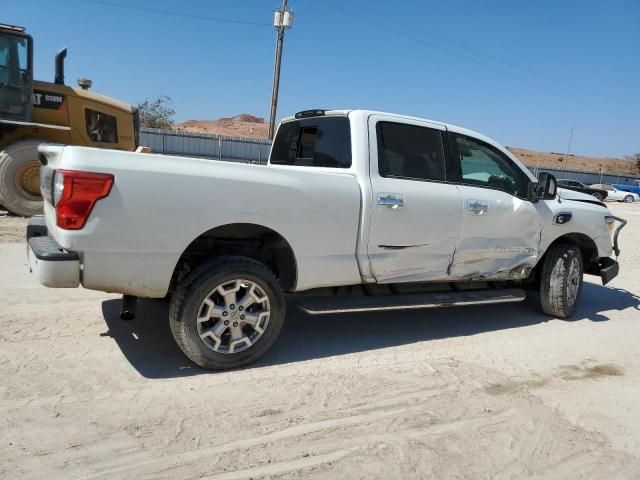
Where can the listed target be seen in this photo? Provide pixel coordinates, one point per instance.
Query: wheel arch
(244, 239)
(587, 246)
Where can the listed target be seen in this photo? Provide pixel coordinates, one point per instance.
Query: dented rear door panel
(415, 224)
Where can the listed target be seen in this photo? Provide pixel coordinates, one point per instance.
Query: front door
(415, 212)
(500, 235)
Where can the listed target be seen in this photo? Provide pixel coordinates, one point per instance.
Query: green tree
(156, 113)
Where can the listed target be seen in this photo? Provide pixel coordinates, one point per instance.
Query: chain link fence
(587, 177)
(215, 147)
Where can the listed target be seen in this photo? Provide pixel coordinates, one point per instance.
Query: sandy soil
(12, 229)
(476, 392)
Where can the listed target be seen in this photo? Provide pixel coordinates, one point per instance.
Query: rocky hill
(243, 125)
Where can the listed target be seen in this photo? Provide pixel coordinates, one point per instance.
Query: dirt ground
(12, 229)
(471, 393)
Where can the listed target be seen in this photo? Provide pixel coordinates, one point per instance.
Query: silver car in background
(616, 195)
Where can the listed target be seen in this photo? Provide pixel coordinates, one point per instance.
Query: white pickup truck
(355, 211)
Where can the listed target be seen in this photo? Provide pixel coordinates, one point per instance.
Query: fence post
(162, 143)
(219, 148)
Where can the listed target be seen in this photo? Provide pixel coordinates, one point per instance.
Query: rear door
(416, 213)
(500, 235)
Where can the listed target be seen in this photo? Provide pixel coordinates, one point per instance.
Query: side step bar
(352, 304)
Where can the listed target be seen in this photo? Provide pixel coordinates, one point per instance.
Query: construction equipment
(33, 113)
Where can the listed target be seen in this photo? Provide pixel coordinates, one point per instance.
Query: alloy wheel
(233, 316)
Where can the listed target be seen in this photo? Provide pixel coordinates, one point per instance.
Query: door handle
(391, 200)
(478, 207)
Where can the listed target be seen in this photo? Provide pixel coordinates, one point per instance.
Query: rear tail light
(74, 195)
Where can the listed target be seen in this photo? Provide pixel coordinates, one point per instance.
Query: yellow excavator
(33, 113)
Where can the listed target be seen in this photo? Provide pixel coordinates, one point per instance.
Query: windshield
(14, 60)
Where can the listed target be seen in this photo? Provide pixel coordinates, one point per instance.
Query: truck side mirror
(547, 186)
(544, 189)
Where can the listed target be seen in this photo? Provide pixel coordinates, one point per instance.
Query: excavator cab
(16, 75)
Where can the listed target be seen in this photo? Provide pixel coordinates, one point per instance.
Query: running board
(352, 304)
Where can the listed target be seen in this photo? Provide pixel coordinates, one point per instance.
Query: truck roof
(448, 126)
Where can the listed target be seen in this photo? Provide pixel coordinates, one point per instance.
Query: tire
(197, 338)
(628, 199)
(19, 161)
(561, 280)
(597, 196)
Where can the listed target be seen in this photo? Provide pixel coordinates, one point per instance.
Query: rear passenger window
(313, 142)
(410, 151)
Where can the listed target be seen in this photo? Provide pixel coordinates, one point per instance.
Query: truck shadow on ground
(147, 343)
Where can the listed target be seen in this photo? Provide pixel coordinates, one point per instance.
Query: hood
(567, 194)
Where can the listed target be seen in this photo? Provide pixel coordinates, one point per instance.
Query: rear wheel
(228, 313)
(628, 199)
(20, 178)
(561, 280)
(597, 195)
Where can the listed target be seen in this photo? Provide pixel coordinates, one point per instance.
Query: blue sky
(520, 72)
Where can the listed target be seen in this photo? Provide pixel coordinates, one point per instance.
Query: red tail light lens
(75, 195)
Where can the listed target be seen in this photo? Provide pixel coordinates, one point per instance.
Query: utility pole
(282, 19)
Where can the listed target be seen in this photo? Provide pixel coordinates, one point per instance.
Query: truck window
(101, 127)
(482, 165)
(410, 151)
(313, 142)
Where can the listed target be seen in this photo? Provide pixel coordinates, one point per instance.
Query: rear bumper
(52, 265)
(609, 269)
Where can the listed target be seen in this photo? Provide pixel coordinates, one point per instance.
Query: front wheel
(228, 313)
(561, 280)
(628, 199)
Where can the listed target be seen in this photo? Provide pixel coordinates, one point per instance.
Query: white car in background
(616, 195)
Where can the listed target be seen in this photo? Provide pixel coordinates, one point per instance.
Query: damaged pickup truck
(355, 211)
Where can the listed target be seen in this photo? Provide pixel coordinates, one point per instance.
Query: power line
(179, 14)
(470, 51)
(603, 104)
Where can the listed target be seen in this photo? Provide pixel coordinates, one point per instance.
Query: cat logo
(52, 101)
